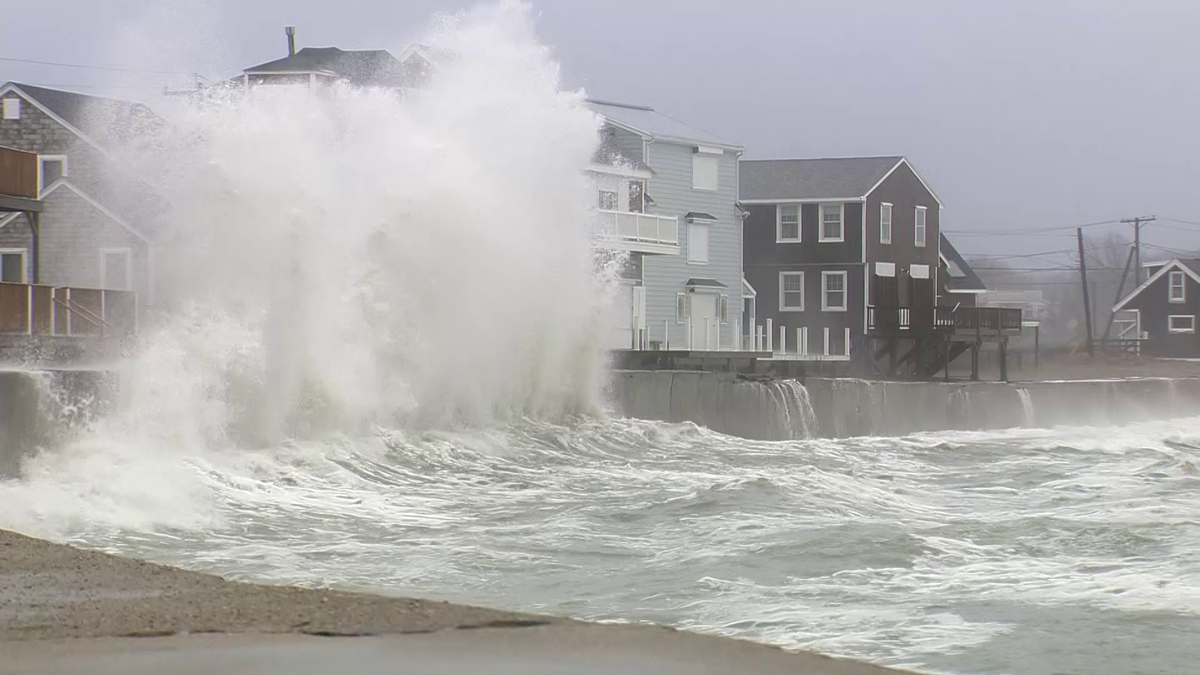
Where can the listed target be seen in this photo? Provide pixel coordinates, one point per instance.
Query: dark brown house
(1165, 307)
(828, 242)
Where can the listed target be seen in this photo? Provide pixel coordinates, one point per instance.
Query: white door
(621, 319)
(705, 326)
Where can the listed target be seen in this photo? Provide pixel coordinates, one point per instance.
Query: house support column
(975, 362)
(35, 236)
(949, 345)
(1004, 359)
(1036, 343)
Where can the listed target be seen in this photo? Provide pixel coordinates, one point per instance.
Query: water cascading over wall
(760, 409)
(847, 407)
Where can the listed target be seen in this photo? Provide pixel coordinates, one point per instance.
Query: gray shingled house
(96, 226)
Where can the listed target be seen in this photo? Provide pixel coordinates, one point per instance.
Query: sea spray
(342, 260)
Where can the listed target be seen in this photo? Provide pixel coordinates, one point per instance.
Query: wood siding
(1154, 306)
(905, 192)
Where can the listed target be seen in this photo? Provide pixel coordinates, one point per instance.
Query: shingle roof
(826, 178)
(104, 120)
(960, 276)
(646, 120)
(365, 67)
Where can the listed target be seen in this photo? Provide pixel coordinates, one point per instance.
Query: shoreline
(63, 607)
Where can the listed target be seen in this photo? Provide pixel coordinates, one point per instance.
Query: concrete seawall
(761, 409)
(39, 408)
(782, 409)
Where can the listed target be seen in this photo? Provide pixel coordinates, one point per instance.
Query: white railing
(644, 227)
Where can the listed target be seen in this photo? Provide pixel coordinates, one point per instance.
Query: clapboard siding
(666, 276)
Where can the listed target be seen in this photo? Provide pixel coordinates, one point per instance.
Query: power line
(1028, 230)
(117, 69)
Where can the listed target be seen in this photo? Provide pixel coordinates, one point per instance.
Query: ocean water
(377, 365)
(1075, 550)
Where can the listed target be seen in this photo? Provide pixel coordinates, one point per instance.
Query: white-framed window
(919, 227)
(12, 108)
(697, 243)
(1178, 287)
(681, 307)
(885, 223)
(787, 223)
(723, 308)
(12, 265)
(608, 200)
(791, 291)
(1181, 323)
(832, 227)
(706, 164)
(116, 269)
(833, 291)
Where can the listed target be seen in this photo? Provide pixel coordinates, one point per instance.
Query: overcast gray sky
(1020, 113)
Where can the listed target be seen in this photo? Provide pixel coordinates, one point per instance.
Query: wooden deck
(58, 311)
(962, 324)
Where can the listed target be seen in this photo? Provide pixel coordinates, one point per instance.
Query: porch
(920, 342)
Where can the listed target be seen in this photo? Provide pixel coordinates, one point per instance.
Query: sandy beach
(67, 610)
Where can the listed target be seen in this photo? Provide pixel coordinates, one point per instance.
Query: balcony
(18, 181)
(643, 232)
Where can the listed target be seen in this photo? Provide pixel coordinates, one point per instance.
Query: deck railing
(639, 227)
(884, 319)
(58, 311)
(18, 173)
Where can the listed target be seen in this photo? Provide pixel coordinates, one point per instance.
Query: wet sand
(66, 610)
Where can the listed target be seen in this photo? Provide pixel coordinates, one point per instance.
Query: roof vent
(290, 32)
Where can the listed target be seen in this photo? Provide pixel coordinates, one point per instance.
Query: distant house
(1164, 309)
(673, 206)
(316, 66)
(95, 226)
(838, 248)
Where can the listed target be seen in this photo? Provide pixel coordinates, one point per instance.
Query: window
(705, 163)
(885, 223)
(834, 297)
(791, 291)
(608, 200)
(681, 307)
(53, 168)
(787, 220)
(12, 108)
(831, 222)
(637, 192)
(723, 308)
(920, 226)
(12, 266)
(1178, 287)
(116, 269)
(1177, 323)
(697, 243)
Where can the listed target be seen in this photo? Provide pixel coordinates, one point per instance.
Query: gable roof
(833, 178)
(363, 67)
(648, 123)
(1187, 266)
(959, 276)
(98, 120)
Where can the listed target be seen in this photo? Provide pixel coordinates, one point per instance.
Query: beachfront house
(94, 231)
(1159, 316)
(835, 247)
(315, 67)
(675, 211)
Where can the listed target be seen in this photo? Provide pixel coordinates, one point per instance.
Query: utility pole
(1137, 244)
(1120, 294)
(1087, 305)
